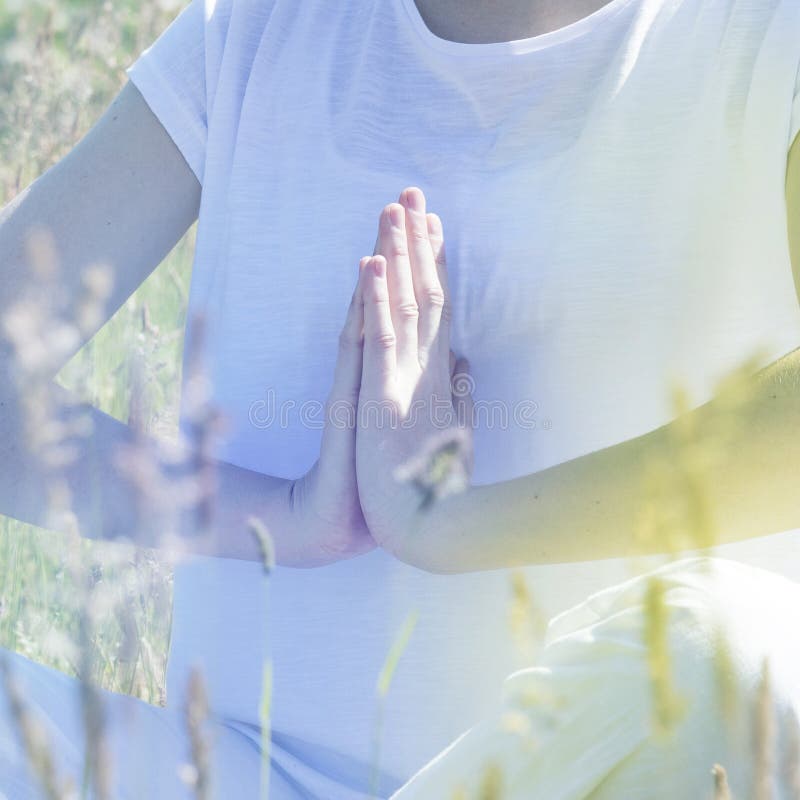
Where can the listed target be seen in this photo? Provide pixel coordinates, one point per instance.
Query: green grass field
(61, 63)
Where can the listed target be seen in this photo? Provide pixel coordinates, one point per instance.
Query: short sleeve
(171, 76)
(795, 123)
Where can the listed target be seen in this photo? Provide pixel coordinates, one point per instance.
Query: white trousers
(583, 722)
(578, 724)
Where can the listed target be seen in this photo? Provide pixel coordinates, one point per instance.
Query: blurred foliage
(61, 64)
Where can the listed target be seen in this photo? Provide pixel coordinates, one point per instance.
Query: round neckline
(517, 46)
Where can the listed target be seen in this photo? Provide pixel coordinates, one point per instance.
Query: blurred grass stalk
(97, 610)
(60, 65)
(38, 335)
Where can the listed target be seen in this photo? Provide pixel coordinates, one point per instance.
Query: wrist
(324, 527)
(438, 536)
(302, 523)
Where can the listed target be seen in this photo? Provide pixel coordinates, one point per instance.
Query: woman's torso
(613, 207)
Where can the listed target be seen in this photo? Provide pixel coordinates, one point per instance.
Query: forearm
(596, 506)
(107, 504)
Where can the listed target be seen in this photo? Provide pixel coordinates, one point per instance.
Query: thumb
(347, 374)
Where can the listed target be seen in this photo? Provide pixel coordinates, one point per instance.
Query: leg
(147, 744)
(582, 723)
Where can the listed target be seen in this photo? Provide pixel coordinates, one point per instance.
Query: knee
(713, 643)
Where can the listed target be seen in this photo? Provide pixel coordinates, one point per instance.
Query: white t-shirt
(612, 196)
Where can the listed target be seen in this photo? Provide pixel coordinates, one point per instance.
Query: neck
(485, 21)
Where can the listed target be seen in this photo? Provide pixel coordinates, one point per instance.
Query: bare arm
(592, 507)
(124, 196)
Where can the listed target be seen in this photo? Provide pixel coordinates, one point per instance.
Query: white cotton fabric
(612, 196)
(147, 747)
(583, 723)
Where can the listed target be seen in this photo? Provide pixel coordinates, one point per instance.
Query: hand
(414, 438)
(325, 500)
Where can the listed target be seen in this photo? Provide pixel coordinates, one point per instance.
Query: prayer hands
(398, 430)
(413, 437)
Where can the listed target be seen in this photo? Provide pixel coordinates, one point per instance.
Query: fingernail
(398, 216)
(379, 267)
(415, 199)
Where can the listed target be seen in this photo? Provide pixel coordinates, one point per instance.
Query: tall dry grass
(60, 65)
